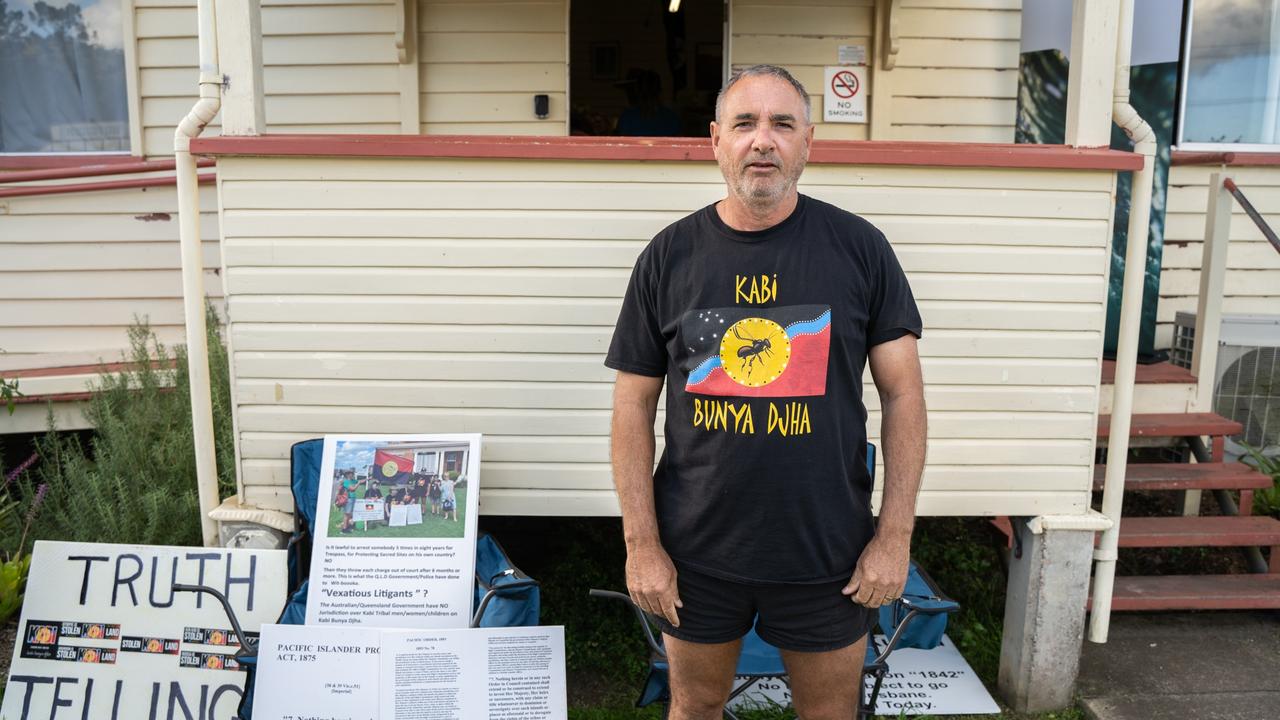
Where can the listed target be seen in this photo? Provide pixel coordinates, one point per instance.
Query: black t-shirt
(762, 337)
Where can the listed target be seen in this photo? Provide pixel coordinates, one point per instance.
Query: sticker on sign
(844, 96)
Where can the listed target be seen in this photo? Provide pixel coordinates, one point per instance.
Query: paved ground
(1188, 666)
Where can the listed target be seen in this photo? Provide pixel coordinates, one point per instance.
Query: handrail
(94, 170)
(35, 190)
(1253, 214)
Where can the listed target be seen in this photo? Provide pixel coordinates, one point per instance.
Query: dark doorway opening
(637, 68)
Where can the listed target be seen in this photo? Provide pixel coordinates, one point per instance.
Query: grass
(432, 526)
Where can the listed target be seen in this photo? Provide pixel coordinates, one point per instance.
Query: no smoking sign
(844, 98)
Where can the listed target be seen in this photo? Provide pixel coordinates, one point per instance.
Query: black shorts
(801, 617)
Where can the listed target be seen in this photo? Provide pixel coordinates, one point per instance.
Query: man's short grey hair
(761, 71)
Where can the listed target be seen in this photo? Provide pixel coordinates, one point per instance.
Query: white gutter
(1135, 264)
(193, 298)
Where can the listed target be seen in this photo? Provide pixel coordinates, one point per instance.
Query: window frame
(1184, 69)
(133, 108)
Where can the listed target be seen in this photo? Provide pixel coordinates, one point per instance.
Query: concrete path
(1184, 666)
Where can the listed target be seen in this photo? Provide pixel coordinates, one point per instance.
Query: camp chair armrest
(248, 646)
(495, 590)
(644, 622)
(913, 611)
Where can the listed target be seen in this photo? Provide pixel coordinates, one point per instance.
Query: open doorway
(646, 67)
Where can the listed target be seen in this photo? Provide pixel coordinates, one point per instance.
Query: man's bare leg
(701, 677)
(826, 685)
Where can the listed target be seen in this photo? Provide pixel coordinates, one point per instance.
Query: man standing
(760, 312)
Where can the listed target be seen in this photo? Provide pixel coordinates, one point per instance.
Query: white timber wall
(432, 295)
(483, 61)
(76, 269)
(1253, 267)
(328, 67)
(955, 77)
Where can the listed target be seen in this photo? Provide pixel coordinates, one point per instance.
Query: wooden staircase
(1167, 389)
(1225, 532)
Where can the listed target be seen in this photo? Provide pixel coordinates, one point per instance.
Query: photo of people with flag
(380, 490)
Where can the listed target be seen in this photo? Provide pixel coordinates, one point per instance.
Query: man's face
(761, 140)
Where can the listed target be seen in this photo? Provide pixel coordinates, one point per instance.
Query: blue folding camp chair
(504, 595)
(916, 620)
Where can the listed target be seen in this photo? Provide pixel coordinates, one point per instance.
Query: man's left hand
(881, 573)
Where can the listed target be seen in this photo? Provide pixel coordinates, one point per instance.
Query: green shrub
(135, 481)
(1266, 501)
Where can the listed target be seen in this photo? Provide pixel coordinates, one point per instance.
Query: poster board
(102, 634)
(414, 570)
(362, 673)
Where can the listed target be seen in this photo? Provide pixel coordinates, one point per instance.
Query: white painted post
(240, 59)
(1213, 272)
(1091, 78)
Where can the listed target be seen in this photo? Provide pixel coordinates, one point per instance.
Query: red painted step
(1212, 531)
(1197, 592)
(1173, 425)
(1154, 374)
(1187, 476)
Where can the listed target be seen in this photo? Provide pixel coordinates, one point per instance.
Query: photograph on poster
(398, 489)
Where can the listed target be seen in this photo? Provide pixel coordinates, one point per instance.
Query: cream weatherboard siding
(1253, 267)
(955, 76)
(483, 61)
(433, 295)
(76, 269)
(329, 67)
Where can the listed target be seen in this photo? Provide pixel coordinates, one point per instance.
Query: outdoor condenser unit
(1247, 388)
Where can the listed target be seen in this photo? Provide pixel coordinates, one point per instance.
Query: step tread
(1196, 592)
(1173, 425)
(1160, 373)
(1187, 476)
(1211, 531)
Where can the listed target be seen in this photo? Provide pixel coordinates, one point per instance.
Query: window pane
(62, 77)
(1233, 72)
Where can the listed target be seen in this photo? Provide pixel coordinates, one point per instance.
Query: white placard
(844, 95)
(920, 682)
(362, 673)
(101, 627)
(401, 573)
(852, 55)
(322, 673)
(373, 509)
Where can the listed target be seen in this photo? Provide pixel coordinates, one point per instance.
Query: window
(426, 462)
(1231, 76)
(649, 68)
(62, 77)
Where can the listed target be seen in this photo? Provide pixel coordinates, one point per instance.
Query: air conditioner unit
(1247, 388)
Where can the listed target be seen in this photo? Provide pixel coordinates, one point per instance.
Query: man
(760, 311)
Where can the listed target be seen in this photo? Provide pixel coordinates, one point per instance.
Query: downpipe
(193, 297)
(1135, 264)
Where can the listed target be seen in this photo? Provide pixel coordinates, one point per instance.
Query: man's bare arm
(882, 570)
(651, 577)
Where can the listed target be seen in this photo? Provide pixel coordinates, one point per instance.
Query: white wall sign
(851, 55)
(844, 95)
(414, 569)
(103, 635)
(920, 682)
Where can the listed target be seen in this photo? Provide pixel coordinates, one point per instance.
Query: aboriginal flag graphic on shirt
(757, 352)
(391, 468)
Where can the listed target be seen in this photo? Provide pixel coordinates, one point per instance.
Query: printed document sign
(363, 673)
(844, 94)
(395, 531)
(324, 673)
(103, 635)
(920, 682)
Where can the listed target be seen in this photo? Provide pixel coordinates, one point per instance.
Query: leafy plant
(1266, 501)
(135, 479)
(9, 393)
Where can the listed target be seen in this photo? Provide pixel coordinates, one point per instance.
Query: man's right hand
(651, 582)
